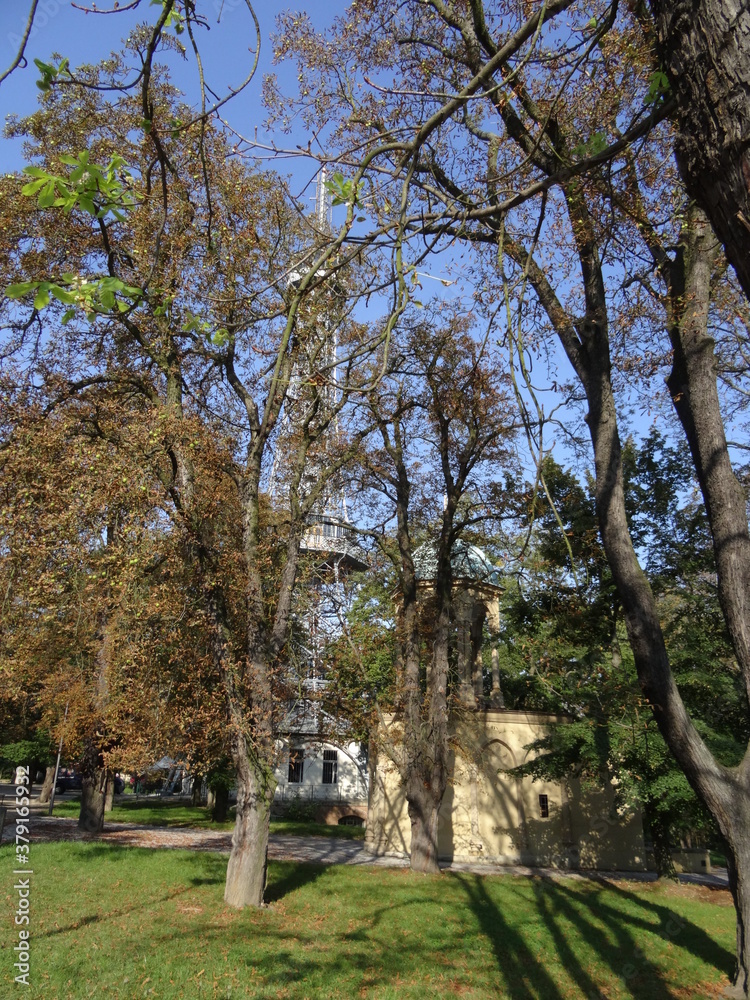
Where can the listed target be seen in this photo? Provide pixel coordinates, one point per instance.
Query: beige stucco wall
(487, 815)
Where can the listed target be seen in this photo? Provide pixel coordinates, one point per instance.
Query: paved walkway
(314, 850)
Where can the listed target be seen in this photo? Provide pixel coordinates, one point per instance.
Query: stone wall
(489, 815)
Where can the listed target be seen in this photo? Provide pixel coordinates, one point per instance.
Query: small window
(330, 767)
(351, 821)
(296, 766)
(544, 807)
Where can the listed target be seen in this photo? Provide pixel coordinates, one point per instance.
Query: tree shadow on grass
(96, 918)
(363, 932)
(525, 977)
(612, 936)
(287, 876)
(668, 924)
(607, 931)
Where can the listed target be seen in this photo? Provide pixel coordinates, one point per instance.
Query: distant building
(323, 777)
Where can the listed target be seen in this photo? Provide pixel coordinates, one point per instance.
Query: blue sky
(63, 29)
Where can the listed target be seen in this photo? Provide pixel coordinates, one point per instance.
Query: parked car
(68, 781)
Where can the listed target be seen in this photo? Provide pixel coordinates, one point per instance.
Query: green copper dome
(467, 561)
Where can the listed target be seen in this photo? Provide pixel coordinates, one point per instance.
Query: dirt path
(313, 850)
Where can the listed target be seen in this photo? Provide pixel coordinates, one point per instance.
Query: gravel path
(314, 850)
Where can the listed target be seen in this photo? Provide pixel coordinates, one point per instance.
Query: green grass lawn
(116, 922)
(161, 812)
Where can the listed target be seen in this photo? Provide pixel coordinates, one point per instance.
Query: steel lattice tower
(329, 537)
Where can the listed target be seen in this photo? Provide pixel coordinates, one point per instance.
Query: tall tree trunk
(196, 790)
(426, 736)
(94, 786)
(248, 860)
(725, 791)
(49, 778)
(423, 856)
(692, 385)
(704, 48)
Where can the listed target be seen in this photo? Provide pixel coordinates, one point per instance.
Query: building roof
(467, 561)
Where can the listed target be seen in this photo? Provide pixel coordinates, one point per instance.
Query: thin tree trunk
(195, 792)
(221, 804)
(109, 794)
(49, 778)
(725, 791)
(692, 384)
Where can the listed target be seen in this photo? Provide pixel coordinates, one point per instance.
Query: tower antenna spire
(322, 200)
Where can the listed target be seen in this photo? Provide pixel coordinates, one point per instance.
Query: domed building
(488, 814)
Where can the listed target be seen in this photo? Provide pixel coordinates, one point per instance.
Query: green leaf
(68, 316)
(32, 187)
(658, 87)
(597, 143)
(62, 295)
(41, 299)
(47, 197)
(17, 291)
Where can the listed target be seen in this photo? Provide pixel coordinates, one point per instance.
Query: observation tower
(329, 538)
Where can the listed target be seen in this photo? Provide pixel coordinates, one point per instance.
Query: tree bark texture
(692, 385)
(93, 791)
(109, 794)
(738, 864)
(424, 811)
(49, 778)
(422, 805)
(424, 769)
(248, 860)
(704, 48)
